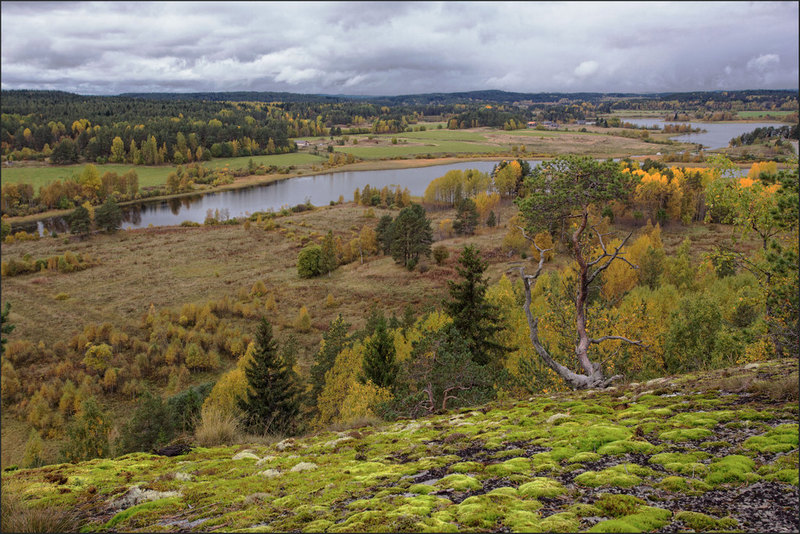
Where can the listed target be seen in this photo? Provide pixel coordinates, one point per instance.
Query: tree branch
(620, 338)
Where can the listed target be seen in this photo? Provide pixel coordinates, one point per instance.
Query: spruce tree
(328, 261)
(379, 364)
(466, 218)
(473, 316)
(271, 403)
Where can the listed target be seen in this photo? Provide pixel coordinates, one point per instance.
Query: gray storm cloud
(389, 48)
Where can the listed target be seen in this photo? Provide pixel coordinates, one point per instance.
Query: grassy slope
(641, 457)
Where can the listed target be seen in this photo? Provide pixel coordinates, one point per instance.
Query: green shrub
(308, 261)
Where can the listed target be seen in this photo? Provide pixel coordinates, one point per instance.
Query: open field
(765, 114)
(38, 175)
(466, 143)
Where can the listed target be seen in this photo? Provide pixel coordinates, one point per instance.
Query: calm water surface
(717, 135)
(319, 189)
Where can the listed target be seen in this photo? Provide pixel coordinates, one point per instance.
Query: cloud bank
(388, 48)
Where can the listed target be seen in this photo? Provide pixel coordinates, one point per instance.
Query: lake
(319, 190)
(717, 135)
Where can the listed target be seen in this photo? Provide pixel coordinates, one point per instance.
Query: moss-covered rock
(733, 468)
(510, 467)
(685, 434)
(541, 487)
(459, 482)
(700, 522)
(625, 446)
(782, 438)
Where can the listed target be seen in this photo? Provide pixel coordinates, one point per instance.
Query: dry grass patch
(16, 516)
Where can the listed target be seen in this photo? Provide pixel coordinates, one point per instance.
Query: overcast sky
(399, 48)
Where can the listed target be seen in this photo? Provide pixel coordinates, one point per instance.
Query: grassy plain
(474, 143)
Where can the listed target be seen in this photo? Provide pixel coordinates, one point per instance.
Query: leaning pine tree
(272, 401)
(558, 192)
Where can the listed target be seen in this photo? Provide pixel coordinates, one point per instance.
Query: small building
(301, 144)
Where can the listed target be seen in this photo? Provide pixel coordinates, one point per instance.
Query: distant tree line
(768, 132)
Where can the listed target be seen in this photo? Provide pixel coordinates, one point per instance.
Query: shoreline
(255, 180)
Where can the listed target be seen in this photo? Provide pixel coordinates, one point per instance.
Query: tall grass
(217, 427)
(15, 516)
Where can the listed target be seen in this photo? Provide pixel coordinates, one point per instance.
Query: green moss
(523, 521)
(561, 453)
(782, 438)
(422, 489)
(478, 512)
(434, 524)
(617, 505)
(562, 522)
(584, 457)
(588, 438)
(584, 510)
(685, 434)
(134, 516)
(613, 525)
(597, 409)
(674, 484)
(466, 467)
(320, 525)
(608, 477)
(733, 468)
(702, 522)
(510, 453)
(543, 462)
(789, 476)
(693, 420)
(646, 518)
(626, 446)
(541, 487)
(506, 491)
(509, 467)
(459, 483)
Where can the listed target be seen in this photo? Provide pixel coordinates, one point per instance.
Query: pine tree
(5, 327)
(491, 222)
(80, 221)
(108, 216)
(473, 316)
(379, 364)
(411, 236)
(333, 341)
(271, 403)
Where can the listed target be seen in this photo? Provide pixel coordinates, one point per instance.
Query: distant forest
(153, 128)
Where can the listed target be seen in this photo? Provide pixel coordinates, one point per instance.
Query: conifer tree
(108, 216)
(328, 261)
(473, 316)
(466, 218)
(271, 403)
(333, 341)
(379, 364)
(80, 221)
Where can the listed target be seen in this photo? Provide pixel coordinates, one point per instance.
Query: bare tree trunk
(593, 377)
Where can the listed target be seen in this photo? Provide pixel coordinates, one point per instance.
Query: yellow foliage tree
(344, 398)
